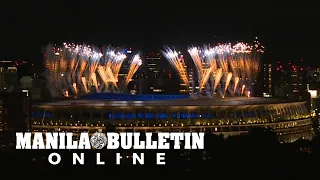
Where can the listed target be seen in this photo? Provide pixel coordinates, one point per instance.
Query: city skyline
(244, 75)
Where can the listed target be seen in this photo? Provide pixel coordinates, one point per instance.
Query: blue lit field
(129, 97)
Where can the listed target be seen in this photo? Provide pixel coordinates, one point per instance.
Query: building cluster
(288, 80)
(293, 81)
(17, 76)
(282, 80)
(279, 80)
(14, 90)
(14, 107)
(155, 76)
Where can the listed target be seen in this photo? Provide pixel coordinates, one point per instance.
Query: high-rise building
(155, 75)
(8, 79)
(313, 78)
(154, 62)
(297, 84)
(267, 80)
(2, 123)
(13, 112)
(15, 63)
(193, 81)
(34, 85)
(290, 81)
(14, 107)
(125, 66)
(184, 87)
(158, 75)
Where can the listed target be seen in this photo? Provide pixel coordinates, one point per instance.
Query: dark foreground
(255, 155)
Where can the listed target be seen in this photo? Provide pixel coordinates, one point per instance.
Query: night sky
(288, 34)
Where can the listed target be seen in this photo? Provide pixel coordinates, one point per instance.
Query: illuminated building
(125, 65)
(124, 70)
(154, 72)
(229, 116)
(34, 85)
(267, 80)
(154, 62)
(184, 88)
(14, 107)
(158, 74)
(290, 81)
(313, 78)
(313, 95)
(13, 111)
(313, 75)
(194, 82)
(2, 123)
(8, 78)
(297, 83)
(16, 63)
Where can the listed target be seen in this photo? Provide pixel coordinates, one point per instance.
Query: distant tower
(267, 80)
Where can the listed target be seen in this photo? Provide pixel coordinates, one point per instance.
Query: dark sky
(289, 34)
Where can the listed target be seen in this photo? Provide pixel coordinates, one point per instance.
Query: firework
(222, 69)
(177, 61)
(135, 64)
(74, 69)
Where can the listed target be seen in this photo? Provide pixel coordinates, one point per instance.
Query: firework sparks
(135, 64)
(225, 65)
(74, 68)
(178, 63)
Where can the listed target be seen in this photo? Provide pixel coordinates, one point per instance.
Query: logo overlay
(98, 140)
(104, 141)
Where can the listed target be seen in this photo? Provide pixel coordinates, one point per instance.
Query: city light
(313, 93)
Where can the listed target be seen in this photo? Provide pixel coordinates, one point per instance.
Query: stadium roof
(202, 101)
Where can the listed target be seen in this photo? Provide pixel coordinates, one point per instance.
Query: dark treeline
(257, 153)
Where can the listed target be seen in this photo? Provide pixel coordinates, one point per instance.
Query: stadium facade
(140, 113)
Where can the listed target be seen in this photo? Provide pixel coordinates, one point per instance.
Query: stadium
(140, 113)
(226, 73)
